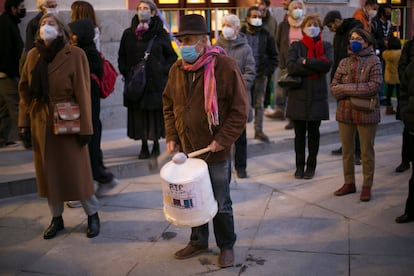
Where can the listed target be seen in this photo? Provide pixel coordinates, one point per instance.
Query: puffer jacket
(391, 58)
(359, 75)
(240, 50)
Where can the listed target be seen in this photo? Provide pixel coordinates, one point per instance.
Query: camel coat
(63, 170)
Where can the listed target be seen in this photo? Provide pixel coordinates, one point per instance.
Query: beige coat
(62, 166)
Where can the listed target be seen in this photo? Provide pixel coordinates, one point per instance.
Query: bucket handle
(199, 152)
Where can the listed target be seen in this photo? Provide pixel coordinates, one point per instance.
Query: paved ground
(285, 226)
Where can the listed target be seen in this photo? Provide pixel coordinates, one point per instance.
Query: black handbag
(136, 79)
(289, 81)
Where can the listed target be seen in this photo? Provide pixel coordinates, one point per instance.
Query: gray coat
(310, 101)
(240, 50)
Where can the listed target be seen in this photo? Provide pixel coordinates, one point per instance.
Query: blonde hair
(292, 3)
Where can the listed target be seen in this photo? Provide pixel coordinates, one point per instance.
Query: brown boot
(389, 110)
(189, 251)
(365, 194)
(226, 258)
(346, 189)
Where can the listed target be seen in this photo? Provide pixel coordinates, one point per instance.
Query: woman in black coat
(310, 58)
(145, 118)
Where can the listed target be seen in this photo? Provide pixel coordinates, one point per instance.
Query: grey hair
(232, 18)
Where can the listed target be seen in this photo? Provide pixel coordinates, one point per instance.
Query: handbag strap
(149, 46)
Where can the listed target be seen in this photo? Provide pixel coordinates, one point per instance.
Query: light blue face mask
(312, 31)
(189, 53)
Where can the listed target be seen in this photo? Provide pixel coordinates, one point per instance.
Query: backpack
(109, 75)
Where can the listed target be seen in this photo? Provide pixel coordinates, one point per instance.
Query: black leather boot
(93, 226)
(55, 226)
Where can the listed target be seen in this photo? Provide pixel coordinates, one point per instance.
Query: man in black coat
(11, 48)
(266, 58)
(341, 27)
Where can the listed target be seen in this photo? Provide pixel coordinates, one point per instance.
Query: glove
(26, 137)
(84, 139)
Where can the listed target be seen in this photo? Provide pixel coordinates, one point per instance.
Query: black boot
(55, 226)
(144, 154)
(155, 149)
(93, 226)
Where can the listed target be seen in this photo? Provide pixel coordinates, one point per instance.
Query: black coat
(341, 41)
(267, 60)
(310, 101)
(31, 31)
(131, 51)
(11, 45)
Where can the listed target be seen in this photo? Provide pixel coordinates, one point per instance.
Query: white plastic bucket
(187, 193)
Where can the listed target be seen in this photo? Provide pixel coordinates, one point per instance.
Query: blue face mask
(356, 46)
(189, 53)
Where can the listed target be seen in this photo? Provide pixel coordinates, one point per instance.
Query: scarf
(207, 60)
(315, 50)
(141, 29)
(39, 88)
(294, 22)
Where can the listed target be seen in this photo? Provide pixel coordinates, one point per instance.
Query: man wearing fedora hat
(205, 103)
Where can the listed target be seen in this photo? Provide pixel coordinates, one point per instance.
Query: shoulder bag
(363, 104)
(66, 118)
(137, 78)
(289, 81)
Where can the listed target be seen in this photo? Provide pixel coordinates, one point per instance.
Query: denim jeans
(280, 93)
(223, 223)
(259, 89)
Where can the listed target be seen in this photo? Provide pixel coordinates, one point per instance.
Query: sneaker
(74, 204)
(104, 188)
(278, 114)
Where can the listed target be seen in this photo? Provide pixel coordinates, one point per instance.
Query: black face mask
(21, 13)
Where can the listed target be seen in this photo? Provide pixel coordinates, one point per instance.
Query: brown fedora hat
(192, 24)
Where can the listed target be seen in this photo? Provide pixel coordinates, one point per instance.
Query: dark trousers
(240, 152)
(95, 151)
(223, 222)
(405, 149)
(390, 90)
(312, 129)
(409, 205)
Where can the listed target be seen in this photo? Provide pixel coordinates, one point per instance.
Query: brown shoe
(346, 189)
(365, 194)
(189, 251)
(226, 258)
(389, 110)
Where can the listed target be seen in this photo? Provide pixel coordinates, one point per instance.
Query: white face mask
(48, 33)
(297, 13)
(228, 33)
(372, 13)
(52, 10)
(312, 31)
(256, 22)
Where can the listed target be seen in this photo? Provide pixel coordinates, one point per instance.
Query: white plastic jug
(187, 192)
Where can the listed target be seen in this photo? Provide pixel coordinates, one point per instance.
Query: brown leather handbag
(66, 118)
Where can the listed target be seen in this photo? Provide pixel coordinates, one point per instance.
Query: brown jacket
(62, 166)
(184, 114)
(359, 75)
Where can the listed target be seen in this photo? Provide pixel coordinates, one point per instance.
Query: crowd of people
(205, 98)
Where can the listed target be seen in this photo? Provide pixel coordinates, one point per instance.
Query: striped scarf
(210, 94)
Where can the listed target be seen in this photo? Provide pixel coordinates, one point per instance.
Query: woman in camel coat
(54, 72)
